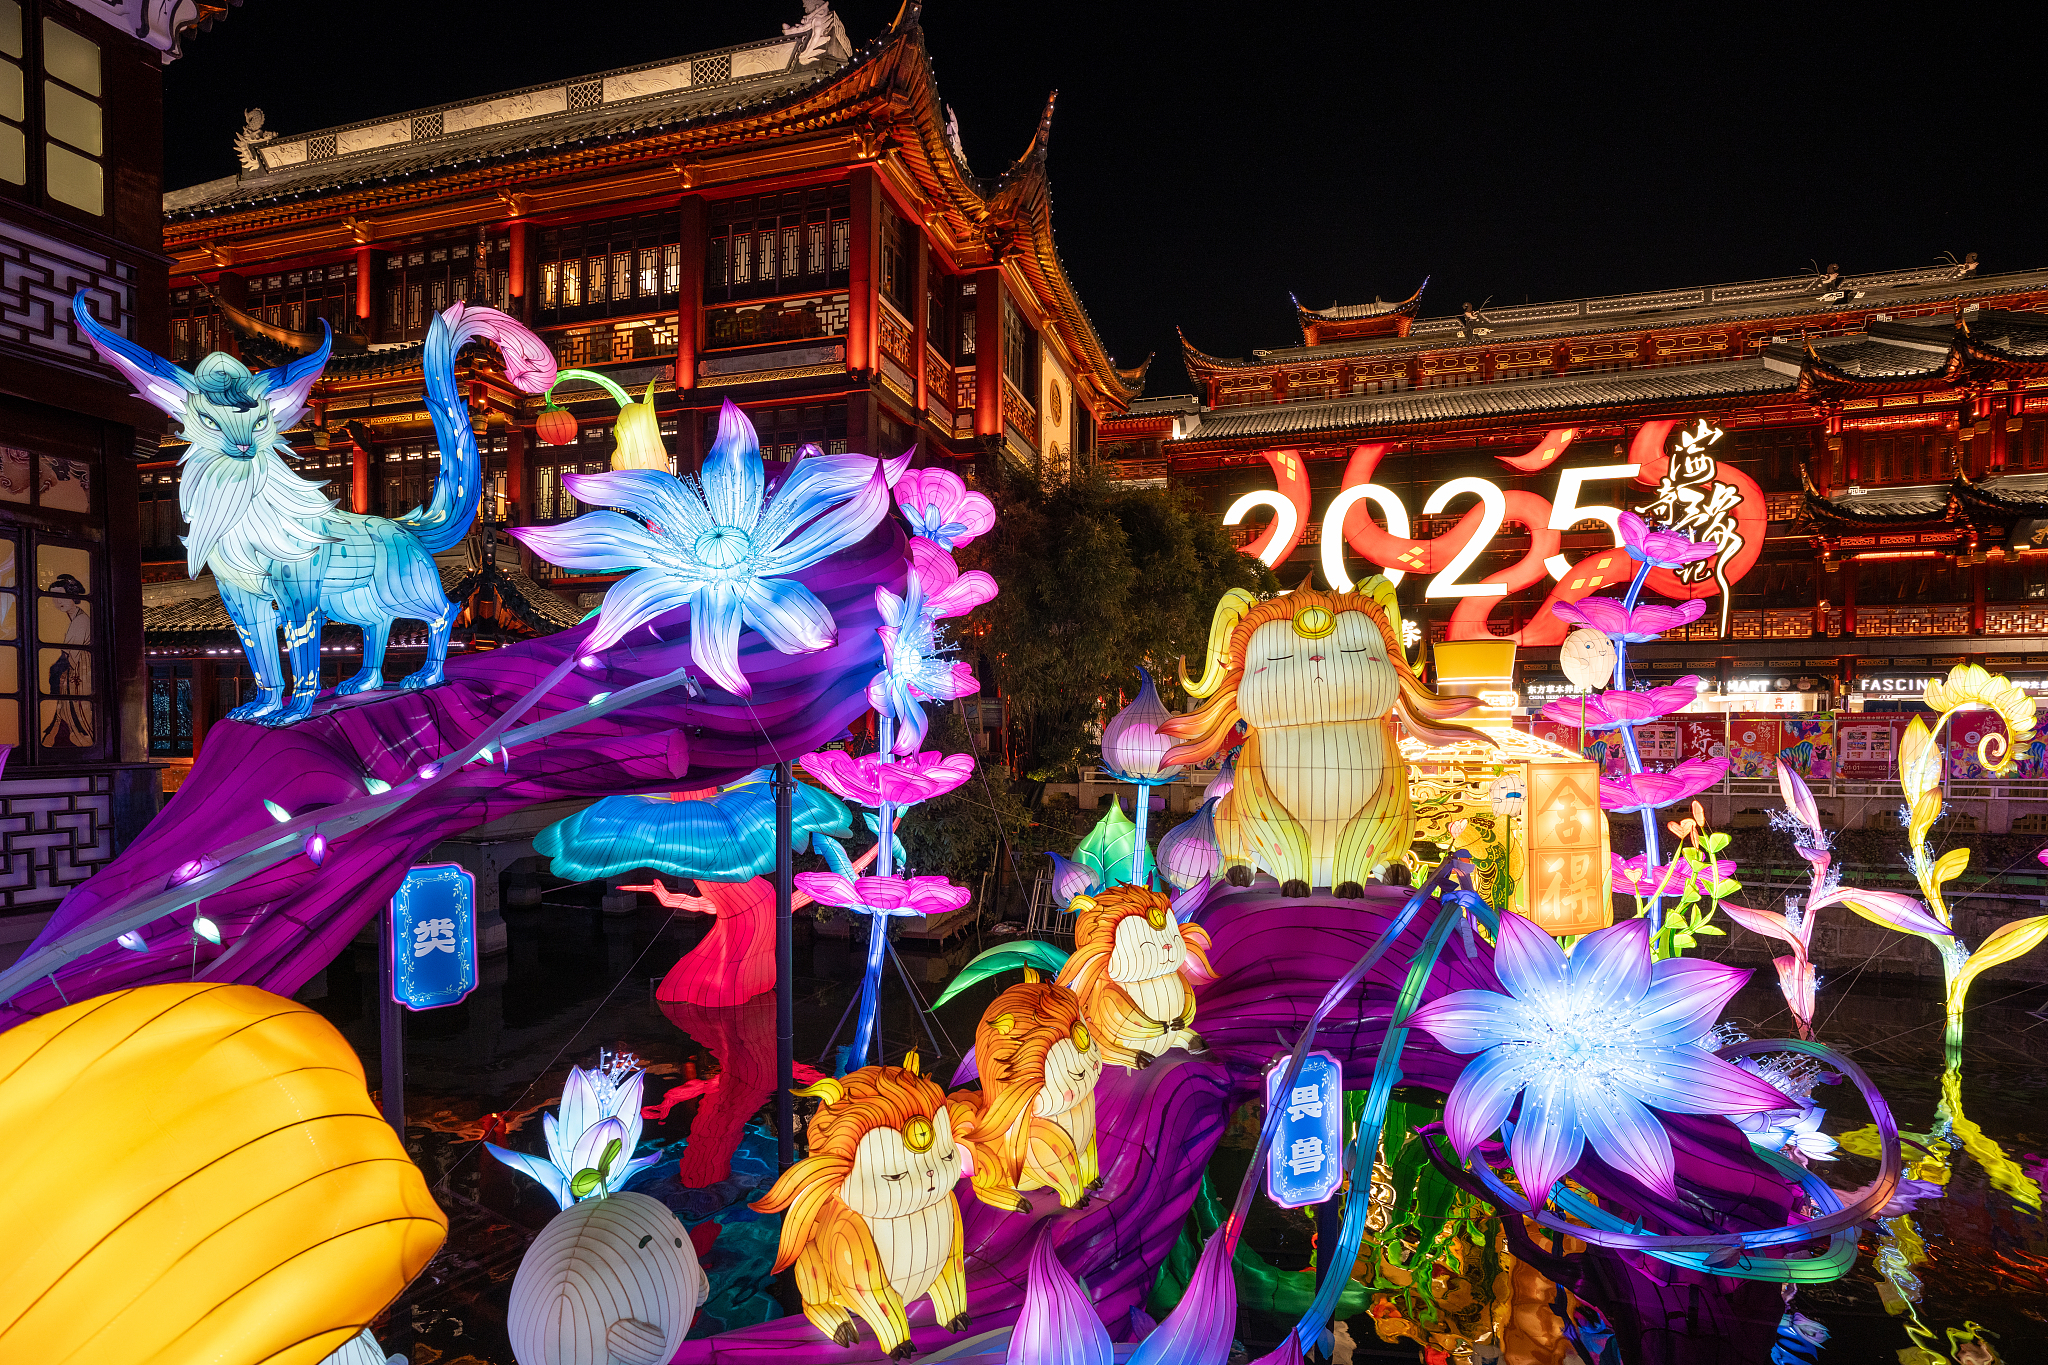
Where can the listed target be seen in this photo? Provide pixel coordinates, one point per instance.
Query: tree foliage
(956, 835)
(1097, 578)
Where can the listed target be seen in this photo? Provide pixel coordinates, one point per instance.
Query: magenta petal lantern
(884, 895)
(941, 508)
(1605, 710)
(1617, 622)
(1661, 548)
(1655, 791)
(868, 781)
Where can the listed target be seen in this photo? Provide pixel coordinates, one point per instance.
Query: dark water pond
(574, 979)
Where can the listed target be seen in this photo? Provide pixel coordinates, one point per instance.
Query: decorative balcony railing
(609, 342)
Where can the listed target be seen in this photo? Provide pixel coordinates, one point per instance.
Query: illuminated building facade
(1870, 451)
(790, 224)
(81, 128)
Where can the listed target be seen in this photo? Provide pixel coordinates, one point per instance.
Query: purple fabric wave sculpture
(1158, 1128)
(282, 925)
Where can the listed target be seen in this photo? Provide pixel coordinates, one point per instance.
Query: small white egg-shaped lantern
(608, 1280)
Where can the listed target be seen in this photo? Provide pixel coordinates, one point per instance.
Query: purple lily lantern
(1132, 750)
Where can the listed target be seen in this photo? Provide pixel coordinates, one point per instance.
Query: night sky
(1206, 161)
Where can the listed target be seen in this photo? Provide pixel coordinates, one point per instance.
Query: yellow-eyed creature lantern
(1134, 970)
(872, 1221)
(1321, 794)
(1031, 1126)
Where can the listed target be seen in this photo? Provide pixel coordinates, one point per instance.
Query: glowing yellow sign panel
(1568, 880)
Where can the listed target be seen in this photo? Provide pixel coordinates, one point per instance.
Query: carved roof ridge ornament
(250, 137)
(822, 34)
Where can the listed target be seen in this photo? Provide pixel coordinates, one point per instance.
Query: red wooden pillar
(1849, 596)
(516, 477)
(988, 352)
(359, 468)
(515, 270)
(366, 292)
(863, 277)
(1820, 597)
(1977, 575)
(205, 701)
(690, 298)
(921, 311)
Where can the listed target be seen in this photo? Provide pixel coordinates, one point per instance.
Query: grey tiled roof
(195, 617)
(1876, 358)
(1712, 306)
(2021, 335)
(1505, 398)
(588, 116)
(1916, 502)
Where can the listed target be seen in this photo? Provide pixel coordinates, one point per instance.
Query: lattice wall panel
(54, 833)
(38, 276)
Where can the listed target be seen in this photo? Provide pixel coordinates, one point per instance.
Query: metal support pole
(785, 953)
(391, 1031)
(1329, 1217)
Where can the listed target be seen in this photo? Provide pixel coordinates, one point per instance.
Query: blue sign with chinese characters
(433, 936)
(1306, 1164)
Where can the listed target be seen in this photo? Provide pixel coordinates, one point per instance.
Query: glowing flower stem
(878, 925)
(618, 394)
(1140, 876)
(1651, 853)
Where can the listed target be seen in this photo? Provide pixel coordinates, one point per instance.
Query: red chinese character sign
(1706, 499)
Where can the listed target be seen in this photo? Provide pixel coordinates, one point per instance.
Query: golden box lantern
(1525, 809)
(1567, 849)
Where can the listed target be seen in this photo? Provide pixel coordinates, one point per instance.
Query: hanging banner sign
(1694, 492)
(1307, 1161)
(433, 937)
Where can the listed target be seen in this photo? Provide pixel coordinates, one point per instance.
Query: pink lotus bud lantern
(1132, 750)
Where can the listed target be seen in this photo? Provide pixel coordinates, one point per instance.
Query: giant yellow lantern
(195, 1172)
(1321, 794)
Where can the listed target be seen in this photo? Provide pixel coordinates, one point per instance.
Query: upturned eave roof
(1752, 307)
(883, 102)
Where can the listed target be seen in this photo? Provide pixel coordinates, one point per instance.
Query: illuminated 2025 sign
(1694, 492)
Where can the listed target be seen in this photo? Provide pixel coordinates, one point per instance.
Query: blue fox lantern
(282, 551)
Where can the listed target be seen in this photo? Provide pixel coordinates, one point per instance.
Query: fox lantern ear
(157, 381)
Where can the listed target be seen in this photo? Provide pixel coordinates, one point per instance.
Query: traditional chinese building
(1868, 452)
(791, 224)
(80, 175)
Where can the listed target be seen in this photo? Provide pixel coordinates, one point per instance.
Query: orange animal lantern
(872, 1221)
(1031, 1125)
(1134, 970)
